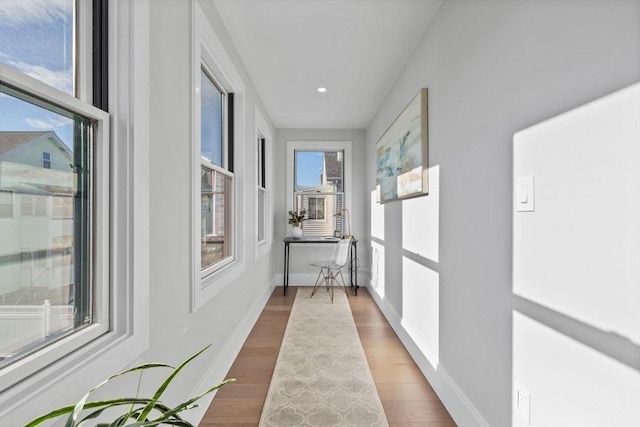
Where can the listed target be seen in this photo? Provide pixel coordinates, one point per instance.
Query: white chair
(331, 269)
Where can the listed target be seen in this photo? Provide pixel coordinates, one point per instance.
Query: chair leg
(319, 281)
(331, 280)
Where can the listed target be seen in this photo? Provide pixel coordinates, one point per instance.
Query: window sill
(111, 351)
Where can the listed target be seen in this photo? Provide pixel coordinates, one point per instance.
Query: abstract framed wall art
(402, 169)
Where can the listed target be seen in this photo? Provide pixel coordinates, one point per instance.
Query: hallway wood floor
(406, 396)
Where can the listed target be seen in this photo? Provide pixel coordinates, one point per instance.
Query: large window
(109, 310)
(218, 114)
(319, 190)
(318, 181)
(216, 183)
(53, 166)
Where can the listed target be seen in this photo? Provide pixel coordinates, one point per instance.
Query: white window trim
(207, 49)
(324, 203)
(262, 130)
(128, 330)
(204, 272)
(292, 146)
(50, 159)
(15, 372)
(84, 61)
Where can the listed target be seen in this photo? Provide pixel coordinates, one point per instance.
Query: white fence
(24, 325)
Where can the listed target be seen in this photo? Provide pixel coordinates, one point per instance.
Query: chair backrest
(340, 256)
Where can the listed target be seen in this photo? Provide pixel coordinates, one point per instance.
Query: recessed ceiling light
(322, 89)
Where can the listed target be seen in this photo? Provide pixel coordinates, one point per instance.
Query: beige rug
(321, 377)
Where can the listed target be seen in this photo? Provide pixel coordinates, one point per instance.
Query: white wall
(577, 254)
(300, 271)
(226, 319)
(492, 69)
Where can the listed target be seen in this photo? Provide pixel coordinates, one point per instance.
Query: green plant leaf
(88, 405)
(123, 418)
(158, 407)
(120, 419)
(73, 417)
(138, 408)
(166, 383)
(181, 407)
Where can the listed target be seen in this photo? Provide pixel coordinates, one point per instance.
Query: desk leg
(286, 268)
(354, 270)
(356, 260)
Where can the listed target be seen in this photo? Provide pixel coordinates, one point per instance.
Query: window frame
(319, 145)
(127, 242)
(17, 371)
(316, 199)
(45, 161)
(226, 169)
(262, 131)
(261, 220)
(208, 50)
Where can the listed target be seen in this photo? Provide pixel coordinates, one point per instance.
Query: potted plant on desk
(295, 220)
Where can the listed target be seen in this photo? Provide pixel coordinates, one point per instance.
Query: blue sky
(36, 38)
(211, 128)
(309, 168)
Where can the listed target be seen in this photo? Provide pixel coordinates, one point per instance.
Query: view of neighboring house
(332, 169)
(324, 201)
(213, 245)
(37, 187)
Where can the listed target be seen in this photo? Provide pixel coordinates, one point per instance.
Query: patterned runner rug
(321, 376)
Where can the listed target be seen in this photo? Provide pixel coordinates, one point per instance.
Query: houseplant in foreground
(138, 412)
(295, 220)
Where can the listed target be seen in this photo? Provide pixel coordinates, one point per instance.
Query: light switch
(523, 404)
(524, 191)
(525, 194)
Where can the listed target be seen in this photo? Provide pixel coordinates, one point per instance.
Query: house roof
(333, 166)
(11, 140)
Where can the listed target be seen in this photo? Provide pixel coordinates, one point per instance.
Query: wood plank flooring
(406, 396)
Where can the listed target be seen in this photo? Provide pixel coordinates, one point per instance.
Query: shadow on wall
(420, 290)
(576, 275)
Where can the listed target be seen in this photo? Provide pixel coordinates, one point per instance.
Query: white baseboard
(459, 406)
(221, 365)
(468, 414)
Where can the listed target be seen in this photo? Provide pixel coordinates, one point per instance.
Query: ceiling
(353, 48)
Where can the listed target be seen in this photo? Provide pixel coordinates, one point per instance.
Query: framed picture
(402, 154)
